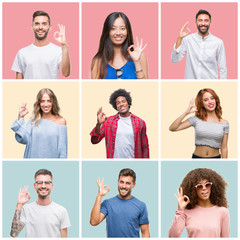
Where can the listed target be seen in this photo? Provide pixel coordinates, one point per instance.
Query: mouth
(43, 190)
(204, 194)
(211, 105)
(123, 191)
(118, 38)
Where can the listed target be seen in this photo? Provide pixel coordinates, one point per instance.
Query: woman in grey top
(211, 131)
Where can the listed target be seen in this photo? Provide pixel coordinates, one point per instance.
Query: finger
(20, 190)
(108, 189)
(175, 196)
(26, 188)
(178, 192)
(102, 180)
(56, 33)
(137, 41)
(186, 197)
(181, 191)
(144, 47)
(141, 42)
(59, 27)
(28, 196)
(185, 25)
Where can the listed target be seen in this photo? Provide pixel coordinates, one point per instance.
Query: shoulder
(58, 207)
(138, 119)
(216, 39)
(223, 121)
(222, 210)
(139, 203)
(61, 121)
(26, 49)
(54, 46)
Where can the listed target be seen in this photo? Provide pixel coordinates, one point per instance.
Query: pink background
(144, 21)
(223, 25)
(17, 32)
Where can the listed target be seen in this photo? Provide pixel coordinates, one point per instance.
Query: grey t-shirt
(44, 221)
(124, 142)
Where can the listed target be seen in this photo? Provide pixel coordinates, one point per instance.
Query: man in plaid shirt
(125, 134)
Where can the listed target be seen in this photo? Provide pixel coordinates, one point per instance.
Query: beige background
(144, 105)
(175, 97)
(15, 93)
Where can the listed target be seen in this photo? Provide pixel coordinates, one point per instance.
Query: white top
(124, 143)
(44, 221)
(38, 62)
(203, 56)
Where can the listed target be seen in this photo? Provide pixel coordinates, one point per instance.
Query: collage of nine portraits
(94, 100)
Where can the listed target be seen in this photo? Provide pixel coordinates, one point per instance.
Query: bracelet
(141, 77)
(139, 71)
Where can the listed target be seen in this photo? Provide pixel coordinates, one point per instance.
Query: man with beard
(125, 214)
(205, 52)
(125, 134)
(42, 59)
(43, 218)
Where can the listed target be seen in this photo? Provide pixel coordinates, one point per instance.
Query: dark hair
(43, 172)
(118, 93)
(218, 189)
(201, 11)
(105, 50)
(127, 172)
(41, 13)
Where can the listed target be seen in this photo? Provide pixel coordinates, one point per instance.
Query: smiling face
(125, 186)
(204, 190)
(43, 186)
(118, 32)
(209, 102)
(122, 106)
(46, 103)
(41, 27)
(203, 24)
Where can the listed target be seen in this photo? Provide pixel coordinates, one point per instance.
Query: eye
(123, 28)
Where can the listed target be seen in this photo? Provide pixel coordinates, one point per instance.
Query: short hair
(41, 13)
(43, 172)
(201, 11)
(118, 93)
(127, 172)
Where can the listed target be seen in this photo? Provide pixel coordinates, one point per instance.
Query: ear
(50, 27)
(134, 185)
(34, 185)
(31, 27)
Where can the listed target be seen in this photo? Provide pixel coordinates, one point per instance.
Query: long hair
(201, 111)
(105, 50)
(218, 189)
(37, 111)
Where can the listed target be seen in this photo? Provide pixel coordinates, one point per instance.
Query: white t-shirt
(124, 143)
(38, 62)
(44, 221)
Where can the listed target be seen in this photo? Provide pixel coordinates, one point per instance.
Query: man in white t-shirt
(42, 218)
(42, 59)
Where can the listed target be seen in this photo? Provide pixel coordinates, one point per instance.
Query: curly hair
(201, 111)
(118, 93)
(37, 111)
(218, 189)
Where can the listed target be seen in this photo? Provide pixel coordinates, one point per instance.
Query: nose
(204, 187)
(118, 31)
(44, 184)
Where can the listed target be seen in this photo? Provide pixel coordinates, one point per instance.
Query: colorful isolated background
(172, 174)
(175, 98)
(17, 31)
(144, 21)
(223, 25)
(146, 190)
(17, 92)
(16, 174)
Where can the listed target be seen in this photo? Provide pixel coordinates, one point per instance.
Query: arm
(225, 225)
(179, 124)
(221, 59)
(64, 233)
(145, 230)
(65, 63)
(17, 225)
(139, 58)
(144, 142)
(96, 216)
(19, 75)
(224, 147)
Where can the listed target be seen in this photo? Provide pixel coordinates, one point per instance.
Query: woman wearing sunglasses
(117, 56)
(202, 206)
(211, 131)
(45, 134)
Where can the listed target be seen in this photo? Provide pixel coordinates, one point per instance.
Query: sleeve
(192, 120)
(104, 208)
(178, 224)
(96, 138)
(23, 215)
(144, 215)
(144, 142)
(221, 59)
(179, 53)
(63, 142)
(226, 128)
(225, 224)
(17, 64)
(65, 222)
(22, 131)
(59, 58)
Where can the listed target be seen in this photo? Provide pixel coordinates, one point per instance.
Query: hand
(101, 116)
(184, 31)
(191, 108)
(23, 111)
(183, 200)
(137, 50)
(23, 196)
(61, 38)
(103, 189)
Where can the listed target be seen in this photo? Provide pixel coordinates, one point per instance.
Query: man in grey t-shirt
(43, 218)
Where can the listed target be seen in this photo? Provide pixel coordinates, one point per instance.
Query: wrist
(19, 206)
(64, 45)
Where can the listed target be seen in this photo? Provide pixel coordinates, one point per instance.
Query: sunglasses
(119, 72)
(41, 182)
(201, 186)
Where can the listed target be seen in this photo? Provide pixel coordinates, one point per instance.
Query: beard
(41, 38)
(43, 196)
(126, 195)
(205, 31)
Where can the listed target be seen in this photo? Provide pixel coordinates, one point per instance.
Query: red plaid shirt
(109, 130)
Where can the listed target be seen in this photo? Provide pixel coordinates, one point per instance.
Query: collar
(117, 116)
(200, 37)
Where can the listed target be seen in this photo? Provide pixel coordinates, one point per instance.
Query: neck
(127, 114)
(203, 35)
(117, 50)
(41, 43)
(43, 201)
(47, 115)
(127, 197)
(211, 115)
(205, 203)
